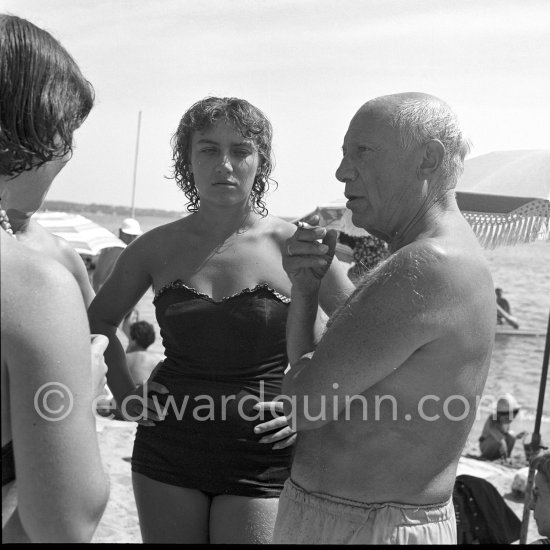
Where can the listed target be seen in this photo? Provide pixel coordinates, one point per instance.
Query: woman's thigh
(170, 514)
(245, 520)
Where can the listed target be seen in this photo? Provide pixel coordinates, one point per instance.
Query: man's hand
(308, 254)
(285, 436)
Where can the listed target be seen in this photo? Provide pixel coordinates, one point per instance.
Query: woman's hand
(306, 259)
(285, 436)
(138, 406)
(98, 345)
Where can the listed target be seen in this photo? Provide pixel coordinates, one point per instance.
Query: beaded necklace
(5, 222)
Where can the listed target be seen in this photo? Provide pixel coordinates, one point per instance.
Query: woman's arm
(336, 287)
(127, 283)
(62, 488)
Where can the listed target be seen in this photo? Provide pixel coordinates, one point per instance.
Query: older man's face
(378, 174)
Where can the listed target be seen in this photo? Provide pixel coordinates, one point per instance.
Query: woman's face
(24, 194)
(224, 164)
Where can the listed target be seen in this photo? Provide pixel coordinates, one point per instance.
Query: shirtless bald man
(384, 401)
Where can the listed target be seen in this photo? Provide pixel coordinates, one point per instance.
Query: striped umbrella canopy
(86, 236)
(505, 196)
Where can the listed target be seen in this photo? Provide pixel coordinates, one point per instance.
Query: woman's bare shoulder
(33, 279)
(280, 229)
(162, 234)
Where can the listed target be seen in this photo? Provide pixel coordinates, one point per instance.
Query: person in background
(129, 319)
(54, 488)
(90, 266)
(504, 312)
(497, 440)
(383, 403)
(140, 361)
(128, 231)
(221, 300)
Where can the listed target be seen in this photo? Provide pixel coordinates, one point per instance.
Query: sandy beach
(120, 521)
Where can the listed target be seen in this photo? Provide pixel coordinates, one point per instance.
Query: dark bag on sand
(482, 515)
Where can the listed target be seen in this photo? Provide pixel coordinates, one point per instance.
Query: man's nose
(345, 171)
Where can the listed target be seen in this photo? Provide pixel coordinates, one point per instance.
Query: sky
(307, 64)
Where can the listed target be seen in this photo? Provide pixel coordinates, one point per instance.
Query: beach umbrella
(84, 235)
(505, 196)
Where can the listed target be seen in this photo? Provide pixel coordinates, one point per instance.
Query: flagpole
(135, 166)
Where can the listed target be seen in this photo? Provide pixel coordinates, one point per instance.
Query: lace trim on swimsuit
(178, 283)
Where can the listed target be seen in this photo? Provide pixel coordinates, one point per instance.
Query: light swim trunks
(315, 518)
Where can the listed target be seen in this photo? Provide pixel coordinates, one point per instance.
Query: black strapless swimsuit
(222, 357)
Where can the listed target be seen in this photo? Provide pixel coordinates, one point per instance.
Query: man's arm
(380, 327)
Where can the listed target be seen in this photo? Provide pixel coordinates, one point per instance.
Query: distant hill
(125, 211)
(120, 211)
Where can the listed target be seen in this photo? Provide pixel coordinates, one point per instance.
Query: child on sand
(497, 440)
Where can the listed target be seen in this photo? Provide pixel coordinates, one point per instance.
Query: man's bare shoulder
(426, 264)
(413, 265)
(437, 286)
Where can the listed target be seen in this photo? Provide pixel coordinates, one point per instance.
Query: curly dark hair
(143, 333)
(44, 97)
(252, 124)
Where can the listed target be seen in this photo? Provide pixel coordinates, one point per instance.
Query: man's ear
(434, 152)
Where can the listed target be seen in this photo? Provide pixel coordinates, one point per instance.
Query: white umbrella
(85, 236)
(505, 196)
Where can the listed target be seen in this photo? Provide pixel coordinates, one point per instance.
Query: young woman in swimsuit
(209, 464)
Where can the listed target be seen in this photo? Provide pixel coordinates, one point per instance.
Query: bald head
(420, 118)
